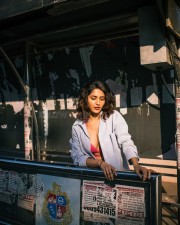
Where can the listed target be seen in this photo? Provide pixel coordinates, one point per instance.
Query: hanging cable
(25, 89)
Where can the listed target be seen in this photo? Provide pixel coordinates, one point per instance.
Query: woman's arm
(82, 159)
(123, 137)
(90, 162)
(78, 155)
(108, 170)
(142, 172)
(128, 147)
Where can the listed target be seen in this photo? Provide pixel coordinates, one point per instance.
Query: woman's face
(96, 101)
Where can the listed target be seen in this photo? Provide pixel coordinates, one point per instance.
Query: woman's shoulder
(77, 122)
(116, 114)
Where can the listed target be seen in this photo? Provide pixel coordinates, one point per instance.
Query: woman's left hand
(143, 172)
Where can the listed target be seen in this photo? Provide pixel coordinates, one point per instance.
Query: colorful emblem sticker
(57, 200)
(56, 208)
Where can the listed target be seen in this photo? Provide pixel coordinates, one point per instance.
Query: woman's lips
(96, 108)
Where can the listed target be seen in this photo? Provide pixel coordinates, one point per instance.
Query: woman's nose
(97, 101)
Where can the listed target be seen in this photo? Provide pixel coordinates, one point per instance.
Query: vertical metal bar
(28, 130)
(178, 144)
(44, 118)
(178, 169)
(173, 46)
(29, 153)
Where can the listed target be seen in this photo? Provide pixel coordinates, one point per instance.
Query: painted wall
(56, 80)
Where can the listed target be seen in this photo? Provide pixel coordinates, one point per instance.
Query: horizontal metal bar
(35, 167)
(156, 165)
(171, 204)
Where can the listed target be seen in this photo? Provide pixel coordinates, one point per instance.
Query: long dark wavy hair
(83, 111)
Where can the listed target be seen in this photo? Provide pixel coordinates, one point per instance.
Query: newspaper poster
(13, 184)
(57, 200)
(26, 191)
(130, 201)
(130, 221)
(97, 219)
(8, 182)
(99, 198)
(4, 180)
(26, 202)
(19, 189)
(126, 204)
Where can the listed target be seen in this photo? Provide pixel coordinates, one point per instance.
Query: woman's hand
(109, 171)
(143, 172)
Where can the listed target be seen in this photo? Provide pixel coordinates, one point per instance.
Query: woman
(100, 135)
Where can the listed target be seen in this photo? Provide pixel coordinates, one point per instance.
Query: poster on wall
(113, 205)
(18, 189)
(57, 201)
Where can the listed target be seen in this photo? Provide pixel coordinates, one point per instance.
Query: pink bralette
(96, 152)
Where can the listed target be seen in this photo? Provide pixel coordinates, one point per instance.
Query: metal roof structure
(49, 24)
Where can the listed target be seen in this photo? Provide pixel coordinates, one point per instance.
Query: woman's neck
(94, 117)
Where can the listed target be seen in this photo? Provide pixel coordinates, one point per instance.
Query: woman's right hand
(109, 171)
